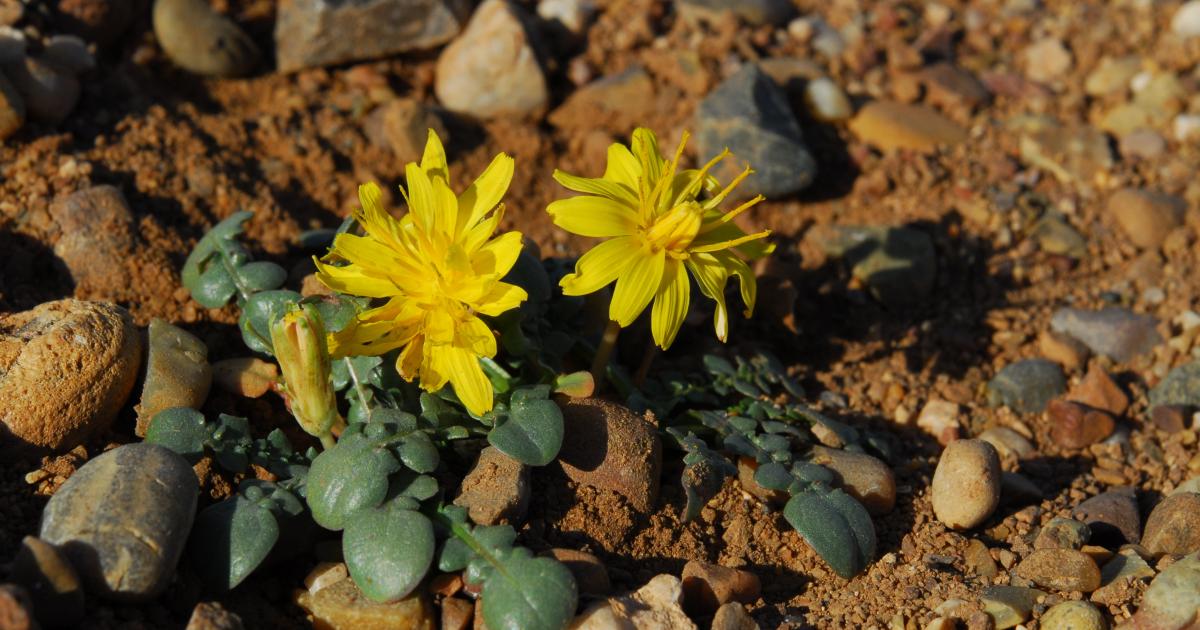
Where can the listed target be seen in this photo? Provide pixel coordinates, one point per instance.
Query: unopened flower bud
(303, 354)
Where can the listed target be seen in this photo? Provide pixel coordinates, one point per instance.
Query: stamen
(693, 188)
(712, 203)
(716, 247)
(729, 216)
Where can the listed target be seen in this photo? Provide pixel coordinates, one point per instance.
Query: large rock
(177, 372)
(202, 41)
(310, 33)
(492, 69)
(66, 368)
(1112, 517)
(97, 236)
(1173, 600)
(609, 447)
(966, 484)
(749, 115)
(1114, 332)
(1173, 527)
(123, 519)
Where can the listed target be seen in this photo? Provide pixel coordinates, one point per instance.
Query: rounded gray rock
(202, 41)
(123, 519)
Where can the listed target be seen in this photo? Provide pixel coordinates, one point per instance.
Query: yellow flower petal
(636, 287)
(600, 187)
(470, 384)
(600, 266)
(367, 252)
(593, 216)
(474, 335)
(644, 146)
(408, 364)
(711, 276)
(374, 219)
(421, 202)
(485, 192)
(445, 208)
(502, 297)
(354, 280)
(433, 161)
(622, 167)
(747, 283)
(670, 305)
(498, 255)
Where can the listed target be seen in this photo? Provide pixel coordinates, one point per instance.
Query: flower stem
(604, 352)
(643, 371)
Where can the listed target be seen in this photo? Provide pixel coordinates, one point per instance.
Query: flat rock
(617, 102)
(97, 236)
(966, 484)
(1009, 444)
(748, 114)
(949, 86)
(496, 491)
(1027, 386)
(48, 91)
(1171, 418)
(1073, 615)
(1075, 426)
(1173, 599)
(1112, 517)
(1114, 332)
(609, 447)
(312, 33)
(51, 581)
(1180, 387)
(862, 476)
(177, 372)
(1061, 570)
(202, 41)
(891, 126)
(754, 12)
(123, 519)
(66, 368)
(1112, 75)
(1062, 533)
(343, 605)
(1146, 216)
(1099, 391)
(1118, 574)
(1009, 606)
(492, 68)
(1173, 526)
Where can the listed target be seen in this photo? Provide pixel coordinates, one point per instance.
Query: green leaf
(418, 453)
(230, 540)
(773, 476)
(527, 593)
(388, 551)
(348, 478)
(533, 433)
(259, 312)
(180, 429)
(214, 287)
(262, 276)
(836, 526)
(200, 259)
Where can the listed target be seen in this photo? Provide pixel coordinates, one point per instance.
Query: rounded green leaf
(529, 593)
(214, 287)
(418, 453)
(348, 478)
(388, 551)
(229, 541)
(262, 276)
(773, 476)
(259, 312)
(181, 429)
(533, 433)
(836, 526)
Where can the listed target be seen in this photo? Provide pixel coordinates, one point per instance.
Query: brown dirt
(187, 152)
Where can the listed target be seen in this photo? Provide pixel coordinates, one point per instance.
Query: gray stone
(202, 41)
(1027, 386)
(754, 12)
(496, 490)
(1114, 332)
(49, 92)
(1173, 599)
(177, 373)
(1180, 387)
(898, 264)
(52, 583)
(1112, 517)
(748, 114)
(311, 33)
(1062, 533)
(12, 45)
(492, 69)
(69, 53)
(123, 519)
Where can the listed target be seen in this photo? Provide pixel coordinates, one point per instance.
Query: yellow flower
(439, 269)
(658, 228)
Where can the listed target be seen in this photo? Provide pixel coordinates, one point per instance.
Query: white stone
(826, 100)
(574, 14)
(1187, 127)
(1186, 21)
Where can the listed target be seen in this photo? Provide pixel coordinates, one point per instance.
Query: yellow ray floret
(660, 223)
(438, 267)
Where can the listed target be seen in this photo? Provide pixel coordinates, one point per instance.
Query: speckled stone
(1174, 525)
(1073, 615)
(1061, 570)
(1027, 385)
(123, 519)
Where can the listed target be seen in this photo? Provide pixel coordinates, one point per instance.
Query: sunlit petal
(670, 304)
(485, 192)
(593, 216)
(637, 287)
(601, 265)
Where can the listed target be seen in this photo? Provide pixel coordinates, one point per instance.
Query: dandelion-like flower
(658, 229)
(439, 269)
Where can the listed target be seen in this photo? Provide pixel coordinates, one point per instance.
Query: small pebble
(1186, 21)
(1146, 216)
(496, 491)
(1062, 533)
(826, 100)
(1061, 570)
(1009, 606)
(1112, 517)
(966, 484)
(51, 581)
(202, 41)
(1075, 426)
(1027, 385)
(1073, 615)
(707, 586)
(862, 476)
(1115, 332)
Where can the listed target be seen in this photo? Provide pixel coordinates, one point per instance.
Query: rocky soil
(986, 216)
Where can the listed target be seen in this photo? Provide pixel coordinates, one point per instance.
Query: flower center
(675, 230)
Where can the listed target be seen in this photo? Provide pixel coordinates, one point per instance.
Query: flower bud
(303, 354)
